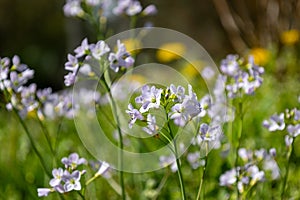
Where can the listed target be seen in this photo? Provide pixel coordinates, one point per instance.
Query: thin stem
(57, 136)
(32, 142)
(133, 20)
(81, 195)
(116, 187)
(287, 170)
(92, 179)
(239, 136)
(121, 146)
(180, 176)
(203, 173)
(179, 173)
(46, 133)
(161, 184)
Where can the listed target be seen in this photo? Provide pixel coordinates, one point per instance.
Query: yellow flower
(261, 56)
(190, 68)
(137, 78)
(132, 45)
(290, 37)
(165, 53)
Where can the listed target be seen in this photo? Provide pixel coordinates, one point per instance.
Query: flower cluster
(13, 79)
(133, 7)
(28, 100)
(87, 52)
(80, 8)
(290, 121)
(180, 107)
(241, 77)
(65, 180)
(258, 165)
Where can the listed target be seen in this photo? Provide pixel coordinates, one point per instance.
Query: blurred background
(38, 31)
(42, 36)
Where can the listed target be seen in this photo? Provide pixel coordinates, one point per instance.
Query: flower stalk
(203, 172)
(287, 167)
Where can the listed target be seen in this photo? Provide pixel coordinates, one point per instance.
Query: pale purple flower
(70, 78)
(288, 140)
(3, 72)
(179, 115)
(230, 65)
(208, 73)
(134, 8)
(296, 115)
(59, 188)
(17, 80)
(191, 104)
(43, 192)
(205, 104)
(128, 7)
(228, 178)
(255, 174)
(208, 133)
(177, 94)
(134, 115)
(4, 62)
(44, 94)
(83, 49)
(276, 122)
(151, 127)
(260, 154)
(72, 63)
(72, 181)
(293, 130)
(150, 98)
(72, 8)
(99, 49)
(255, 71)
(73, 161)
(102, 169)
(57, 177)
(150, 10)
(120, 8)
(17, 65)
(194, 160)
(269, 164)
(121, 58)
(86, 70)
(232, 90)
(165, 161)
(93, 2)
(245, 155)
(272, 152)
(28, 99)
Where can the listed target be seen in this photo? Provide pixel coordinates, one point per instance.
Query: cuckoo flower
(150, 98)
(121, 58)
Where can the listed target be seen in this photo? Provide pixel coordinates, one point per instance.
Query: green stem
(81, 195)
(44, 165)
(203, 173)
(161, 184)
(179, 173)
(287, 170)
(133, 20)
(121, 146)
(182, 189)
(47, 135)
(91, 180)
(239, 136)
